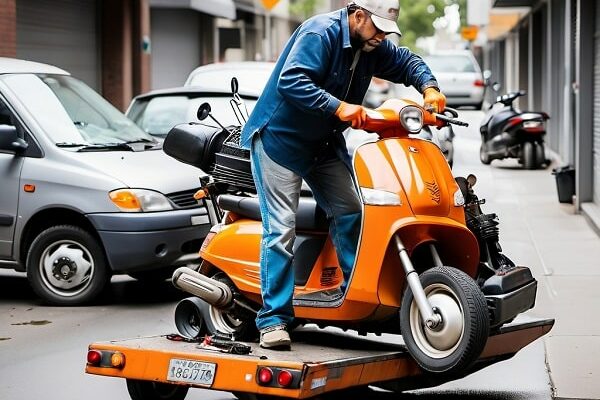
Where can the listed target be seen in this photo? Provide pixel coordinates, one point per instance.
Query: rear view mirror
(203, 111)
(487, 74)
(9, 139)
(496, 86)
(235, 86)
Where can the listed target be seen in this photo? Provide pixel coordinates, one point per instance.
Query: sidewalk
(562, 250)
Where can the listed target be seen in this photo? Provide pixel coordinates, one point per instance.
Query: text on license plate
(191, 371)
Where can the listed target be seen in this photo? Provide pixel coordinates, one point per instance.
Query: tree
(417, 17)
(304, 8)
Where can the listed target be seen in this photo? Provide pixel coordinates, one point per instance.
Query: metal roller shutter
(62, 33)
(596, 148)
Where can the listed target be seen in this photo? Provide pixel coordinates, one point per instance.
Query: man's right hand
(352, 113)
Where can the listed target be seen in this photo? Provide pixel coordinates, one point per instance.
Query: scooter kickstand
(432, 319)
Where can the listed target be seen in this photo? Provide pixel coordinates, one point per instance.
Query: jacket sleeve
(400, 65)
(304, 67)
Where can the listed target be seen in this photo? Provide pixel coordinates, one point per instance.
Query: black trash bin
(565, 183)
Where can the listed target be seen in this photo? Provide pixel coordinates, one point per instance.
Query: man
(294, 133)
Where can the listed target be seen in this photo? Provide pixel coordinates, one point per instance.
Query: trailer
(321, 362)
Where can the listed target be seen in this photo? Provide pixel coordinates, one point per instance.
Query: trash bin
(565, 183)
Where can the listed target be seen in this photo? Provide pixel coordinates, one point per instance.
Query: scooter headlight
(139, 200)
(411, 118)
(378, 197)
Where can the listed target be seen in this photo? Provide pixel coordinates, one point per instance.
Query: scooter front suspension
(431, 318)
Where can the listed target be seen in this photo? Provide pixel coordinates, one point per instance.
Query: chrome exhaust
(212, 291)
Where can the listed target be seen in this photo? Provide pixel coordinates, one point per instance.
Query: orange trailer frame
(320, 362)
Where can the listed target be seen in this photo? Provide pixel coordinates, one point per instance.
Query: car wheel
(461, 335)
(66, 266)
(148, 390)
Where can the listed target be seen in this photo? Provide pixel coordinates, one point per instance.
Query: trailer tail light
(285, 378)
(265, 375)
(278, 377)
(105, 359)
(94, 357)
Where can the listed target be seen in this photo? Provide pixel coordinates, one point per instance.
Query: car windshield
(157, 115)
(449, 63)
(71, 113)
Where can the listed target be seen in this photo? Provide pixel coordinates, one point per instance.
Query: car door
(10, 172)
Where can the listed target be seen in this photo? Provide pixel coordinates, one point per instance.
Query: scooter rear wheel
(462, 334)
(484, 156)
(529, 158)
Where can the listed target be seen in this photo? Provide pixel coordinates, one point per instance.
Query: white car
(459, 77)
(251, 75)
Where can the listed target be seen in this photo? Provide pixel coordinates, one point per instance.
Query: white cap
(384, 13)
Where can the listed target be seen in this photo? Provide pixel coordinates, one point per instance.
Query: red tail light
(94, 357)
(479, 83)
(285, 378)
(265, 375)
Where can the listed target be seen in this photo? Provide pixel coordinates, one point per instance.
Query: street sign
(269, 4)
(469, 32)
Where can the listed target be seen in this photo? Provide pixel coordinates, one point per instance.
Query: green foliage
(417, 16)
(304, 8)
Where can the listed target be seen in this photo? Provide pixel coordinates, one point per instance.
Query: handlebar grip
(450, 120)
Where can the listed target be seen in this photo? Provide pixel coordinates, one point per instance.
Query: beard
(370, 45)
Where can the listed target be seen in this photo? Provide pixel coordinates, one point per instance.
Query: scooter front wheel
(458, 340)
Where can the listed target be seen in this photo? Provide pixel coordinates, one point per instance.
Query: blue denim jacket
(295, 113)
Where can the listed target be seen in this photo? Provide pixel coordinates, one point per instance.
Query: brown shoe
(275, 337)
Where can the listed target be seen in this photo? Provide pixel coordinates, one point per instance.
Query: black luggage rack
(232, 163)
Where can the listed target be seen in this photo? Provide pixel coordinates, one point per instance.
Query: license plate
(191, 371)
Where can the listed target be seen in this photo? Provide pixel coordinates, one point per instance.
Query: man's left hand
(434, 100)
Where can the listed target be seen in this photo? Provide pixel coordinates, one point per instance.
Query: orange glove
(352, 113)
(434, 99)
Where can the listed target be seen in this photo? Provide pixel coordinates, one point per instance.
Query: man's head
(371, 20)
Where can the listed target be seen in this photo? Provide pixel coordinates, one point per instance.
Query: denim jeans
(279, 191)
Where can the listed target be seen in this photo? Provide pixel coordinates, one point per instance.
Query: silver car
(85, 193)
(459, 77)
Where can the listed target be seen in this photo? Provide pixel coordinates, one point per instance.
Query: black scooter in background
(507, 132)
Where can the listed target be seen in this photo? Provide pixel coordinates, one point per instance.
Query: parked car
(252, 75)
(156, 112)
(459, 77)
(84, 192)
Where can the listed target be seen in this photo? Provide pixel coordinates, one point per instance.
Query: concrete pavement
(563, 251)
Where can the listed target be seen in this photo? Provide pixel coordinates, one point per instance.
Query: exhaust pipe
(213, 292)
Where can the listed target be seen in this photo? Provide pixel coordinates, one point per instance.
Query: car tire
(66, 266)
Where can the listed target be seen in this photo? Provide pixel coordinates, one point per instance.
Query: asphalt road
(43, 349)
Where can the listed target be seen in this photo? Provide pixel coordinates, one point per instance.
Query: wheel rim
(66, 268)
(224, 321)
(446, 337)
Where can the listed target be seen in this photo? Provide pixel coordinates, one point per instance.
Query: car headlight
(378, 197)
(411, 118)
(139, 200)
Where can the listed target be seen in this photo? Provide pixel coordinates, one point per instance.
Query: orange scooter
(428, 264)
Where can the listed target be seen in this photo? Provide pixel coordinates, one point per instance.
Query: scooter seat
(309, 216)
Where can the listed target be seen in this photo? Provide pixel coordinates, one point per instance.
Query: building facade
(122, 48)
(552, 49)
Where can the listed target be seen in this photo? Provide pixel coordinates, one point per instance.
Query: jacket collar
(345, 27)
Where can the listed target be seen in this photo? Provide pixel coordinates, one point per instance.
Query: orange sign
(469, 32)
(269, 4)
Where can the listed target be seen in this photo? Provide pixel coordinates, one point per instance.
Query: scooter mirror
(235, 87)
(487, 74)
(203, 111)
(472, 179)
(496, 86)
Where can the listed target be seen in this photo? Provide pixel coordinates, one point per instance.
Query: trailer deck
(320, 361)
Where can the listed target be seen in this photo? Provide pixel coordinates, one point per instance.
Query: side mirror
(203, 111)
(9, 139)
(235, 86)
